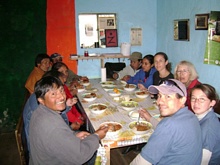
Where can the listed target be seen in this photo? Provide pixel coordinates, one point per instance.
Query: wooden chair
(21, 142)
(21, 137)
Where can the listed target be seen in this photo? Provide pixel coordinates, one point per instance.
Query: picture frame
(201, 21)
(111, 38)
(181, 30)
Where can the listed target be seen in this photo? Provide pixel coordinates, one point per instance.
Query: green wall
(22, 37)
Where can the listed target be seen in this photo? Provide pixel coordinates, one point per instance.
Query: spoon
(138, 121)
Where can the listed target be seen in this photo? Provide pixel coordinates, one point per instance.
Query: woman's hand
(142, 87)
(75, 126)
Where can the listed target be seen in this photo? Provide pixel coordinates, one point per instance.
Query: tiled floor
(9, 152)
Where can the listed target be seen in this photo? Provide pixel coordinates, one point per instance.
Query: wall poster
(212, 52)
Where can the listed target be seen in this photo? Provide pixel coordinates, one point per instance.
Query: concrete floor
(8, 149)
(9, 152)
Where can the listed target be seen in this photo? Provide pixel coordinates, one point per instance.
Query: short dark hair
(150, 58)
(54, 73)
(45, 84)
(58, 65)
(40, 57)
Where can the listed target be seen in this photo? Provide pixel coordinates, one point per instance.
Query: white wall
(194, 49)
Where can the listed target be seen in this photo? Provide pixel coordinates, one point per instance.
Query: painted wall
(22, 37)
(130, 14)
(192, 50)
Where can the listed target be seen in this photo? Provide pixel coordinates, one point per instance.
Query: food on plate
(85, 81)
(116, 90)
(142, 126)
(107, 83)
(112, 126)
(90, 95)
(129, 104)
(80, 86)
(141, 93)
(98, 107)
(130, 86)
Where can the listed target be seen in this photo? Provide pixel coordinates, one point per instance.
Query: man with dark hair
(42, 65)
(51, 139)
(56, 57)
(177, 138)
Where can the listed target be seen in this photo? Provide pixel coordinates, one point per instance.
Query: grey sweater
(53, 142)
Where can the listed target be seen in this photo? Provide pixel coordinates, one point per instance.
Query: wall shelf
(102, 57)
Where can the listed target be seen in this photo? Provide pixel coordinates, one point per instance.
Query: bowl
(113, 128)
(80, 88)
(129, 105)
(123, 83)
(110, 87)
(107, 83)
(98, 108)
(141, 94)
(142, 128)
(130, 87)
(134, 115)
(89, 96)
(115, 92)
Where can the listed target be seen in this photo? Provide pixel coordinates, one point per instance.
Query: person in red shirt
(187, 74)
(75, 118)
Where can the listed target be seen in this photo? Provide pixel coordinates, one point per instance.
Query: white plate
(115, 92)
(90, 98)
(141, 94)
(98, 108)
(114, 128)
(129, 105)
(130, 87)
(133, 126)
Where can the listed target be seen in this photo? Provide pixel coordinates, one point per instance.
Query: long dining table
(115, 112)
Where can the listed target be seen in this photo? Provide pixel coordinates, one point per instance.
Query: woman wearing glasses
(187, 74)
(203, 99)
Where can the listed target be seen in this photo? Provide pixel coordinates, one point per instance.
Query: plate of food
(141, 94)
(113, 128)
(140, 128)
(107, 83)
(89, 96)
(129, 105)
(115, 92)
(98, 108)
(110, 87)
(80, 88)
(130, 87)
(85, 82)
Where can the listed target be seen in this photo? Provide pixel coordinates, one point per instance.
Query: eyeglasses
(171, 83)
(182, 71)
(200, 100)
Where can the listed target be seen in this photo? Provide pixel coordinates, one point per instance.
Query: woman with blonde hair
(187, 74)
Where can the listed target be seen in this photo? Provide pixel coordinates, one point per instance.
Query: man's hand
(82, 135)
(101, 132)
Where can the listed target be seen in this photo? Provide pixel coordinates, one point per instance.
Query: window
(92, 29)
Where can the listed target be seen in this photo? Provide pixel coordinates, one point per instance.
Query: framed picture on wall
(201, 21)
(111, 38)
